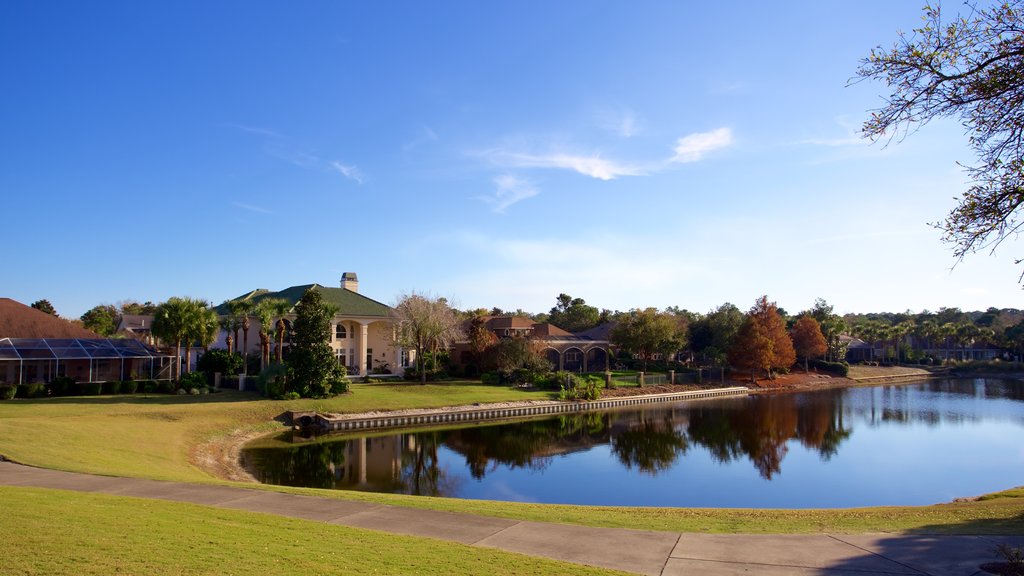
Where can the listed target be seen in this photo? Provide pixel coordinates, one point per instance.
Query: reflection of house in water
(371, 463)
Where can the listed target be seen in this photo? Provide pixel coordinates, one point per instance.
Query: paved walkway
(638, 551)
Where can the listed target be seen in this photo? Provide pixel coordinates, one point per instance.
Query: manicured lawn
(861, 371)
(155, 437)
(53, 532)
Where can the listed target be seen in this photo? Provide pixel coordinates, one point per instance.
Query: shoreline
(221, 457)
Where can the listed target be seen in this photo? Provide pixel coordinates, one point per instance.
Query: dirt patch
(221, 458)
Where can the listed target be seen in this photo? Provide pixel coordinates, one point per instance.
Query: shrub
(61, 386)
(31, 390)
(192, 380)
(88, 389)
(7, 391)
(147, 386)
(129, 387)
(165, 387)
(293, 395)
(490, 378)
(220, 360)
(112, 387)
(273, 381)
(839, 368)
(338, 386)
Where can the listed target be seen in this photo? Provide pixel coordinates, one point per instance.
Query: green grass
(53, 532)
(858, 371)
(154, 438)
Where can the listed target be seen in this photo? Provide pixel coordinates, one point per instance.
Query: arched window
(339, 332)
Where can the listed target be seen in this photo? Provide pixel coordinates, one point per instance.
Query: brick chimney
(349, 281)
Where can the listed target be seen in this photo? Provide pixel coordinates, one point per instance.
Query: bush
(31, 390)
(220, 360)
(129, 387)
(88, 389)
(147, 386)
(293, 395)
(112, 387)
(839, 368)
(192, 380)
(165, 387)
(490, 378)
(62, 386)
(7, 391)
(273, 381)
(339, 386)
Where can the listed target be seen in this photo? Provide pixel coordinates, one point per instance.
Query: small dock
(484, 413)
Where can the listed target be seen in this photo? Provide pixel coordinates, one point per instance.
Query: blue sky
(632, 154)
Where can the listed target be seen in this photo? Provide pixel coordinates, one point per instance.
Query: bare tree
(425, 323)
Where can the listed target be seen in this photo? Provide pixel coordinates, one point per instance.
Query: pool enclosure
(28, 360)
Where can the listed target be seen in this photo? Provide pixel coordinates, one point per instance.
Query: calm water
(908, 444)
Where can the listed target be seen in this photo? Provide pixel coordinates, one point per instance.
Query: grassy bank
(154, 438)
(53, 532)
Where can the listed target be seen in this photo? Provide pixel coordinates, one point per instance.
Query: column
(363, 337)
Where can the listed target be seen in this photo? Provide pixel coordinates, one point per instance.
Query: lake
(907, 444)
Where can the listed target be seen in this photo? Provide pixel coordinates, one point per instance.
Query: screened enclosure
(28, 360)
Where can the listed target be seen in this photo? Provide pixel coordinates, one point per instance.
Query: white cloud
(510, 190)
(692, 148)
(348, 171)
(594, 166)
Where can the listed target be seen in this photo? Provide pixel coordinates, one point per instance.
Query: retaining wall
(484, 413)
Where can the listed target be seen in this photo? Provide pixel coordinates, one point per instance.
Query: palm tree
(947, 331)
(265, 311)
(176, 320)
(242, 309)
(280, 308)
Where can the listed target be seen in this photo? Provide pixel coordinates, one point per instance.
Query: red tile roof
(20, 321)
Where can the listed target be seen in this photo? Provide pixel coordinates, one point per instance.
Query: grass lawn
(154, 437)
(53, 532)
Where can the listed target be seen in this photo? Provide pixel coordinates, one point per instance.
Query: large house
(564, 350)
(38, 347)
(362, 334)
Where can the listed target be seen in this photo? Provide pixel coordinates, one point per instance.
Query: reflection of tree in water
(528, 445)
(761, 428)
(652, 445)
(422, 474)
(312, 465)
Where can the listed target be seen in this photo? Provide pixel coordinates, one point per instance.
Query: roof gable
(347, 302)
(20, 321)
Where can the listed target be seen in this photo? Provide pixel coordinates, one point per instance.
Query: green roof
(347, 302)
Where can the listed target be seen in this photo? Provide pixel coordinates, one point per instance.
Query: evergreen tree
(316, 373)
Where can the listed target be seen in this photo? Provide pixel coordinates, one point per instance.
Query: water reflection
(650, 442)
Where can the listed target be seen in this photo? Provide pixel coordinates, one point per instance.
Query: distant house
(38, 347)
(137, 326)
(565, 350)
(361, 330)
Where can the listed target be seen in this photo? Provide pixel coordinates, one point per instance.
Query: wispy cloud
(348, 171)
(425, 135)
(251, 208)
(594, 165)
(622, 122)
(509, 190)
(284, 148)
(694, 147)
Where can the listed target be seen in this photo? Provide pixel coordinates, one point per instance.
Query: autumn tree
(481, 340)
(966, 67)
(424, 323)
(44, 306)
(762, 342)
(808, 341)
(648, 332)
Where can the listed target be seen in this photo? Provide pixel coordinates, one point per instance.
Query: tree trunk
(245, 346)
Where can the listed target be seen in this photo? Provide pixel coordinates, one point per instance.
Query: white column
(363, 337)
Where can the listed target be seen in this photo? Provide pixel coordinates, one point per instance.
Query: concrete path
(638, 551)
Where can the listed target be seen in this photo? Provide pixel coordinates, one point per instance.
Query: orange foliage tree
(808, 339)
(762, 342)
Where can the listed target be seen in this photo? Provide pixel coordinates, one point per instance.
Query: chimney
(349, 281)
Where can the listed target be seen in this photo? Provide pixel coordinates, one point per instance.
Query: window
(573, 356)
(340, 355)
(405, 358)
(369, 359)
(339, 332)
